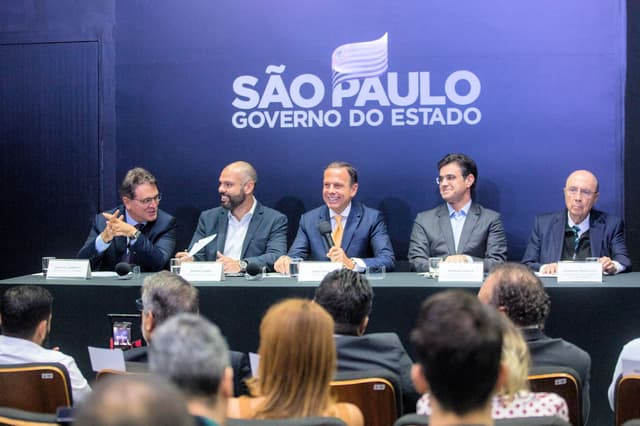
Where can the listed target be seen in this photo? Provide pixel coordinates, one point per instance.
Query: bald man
(247, 232)
(578, 232)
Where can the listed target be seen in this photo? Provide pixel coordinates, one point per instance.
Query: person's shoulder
(483, 211)
(440, 209)
(314, 213)
(391, 339)
(211, 213)
(600, 216)
(270, 212)
(347, 412)
(164, 216)
(632, 345)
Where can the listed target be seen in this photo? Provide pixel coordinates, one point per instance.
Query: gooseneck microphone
(123, 269)
(325, 230)
(253, 269)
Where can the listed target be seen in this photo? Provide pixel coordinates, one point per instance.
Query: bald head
(580, 194)
(583, 176)
(237, 183)
(244, 170)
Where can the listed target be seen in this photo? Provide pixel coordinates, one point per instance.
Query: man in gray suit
(246, 231)
(460, 230)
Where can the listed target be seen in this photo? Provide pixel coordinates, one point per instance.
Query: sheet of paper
(254, 361)
(103, 359)
(201, 243)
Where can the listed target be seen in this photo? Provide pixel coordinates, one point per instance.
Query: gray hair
(165, 294)
(191, 352)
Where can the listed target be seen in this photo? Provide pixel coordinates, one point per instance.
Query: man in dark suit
(578, 232)
(136, 232)
(460, 230)
(359, 232)
(348, 297)
(515, 291)
(246, 231)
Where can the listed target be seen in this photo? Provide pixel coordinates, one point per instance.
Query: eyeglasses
(139, 304)
(147, 201)
(446, 178)
(584, 192)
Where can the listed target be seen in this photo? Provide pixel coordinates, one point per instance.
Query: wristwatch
(136, 235)
(243, 265)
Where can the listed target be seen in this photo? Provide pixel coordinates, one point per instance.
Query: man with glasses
(136, 231)
(578, 232)
(460, 230)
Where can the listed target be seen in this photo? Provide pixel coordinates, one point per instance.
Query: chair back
(627, 399)
(562, 381)
(302, 421)
(412, 419)
(633, 422)
(15, 417)
(35, 387)
(376, 392)
(533, 421)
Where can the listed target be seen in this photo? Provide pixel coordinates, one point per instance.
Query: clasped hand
(116, 227)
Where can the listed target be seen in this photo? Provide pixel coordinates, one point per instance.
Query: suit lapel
(254, 224)
(596, 233)
(445, 228)
(467, 228)
(355, 216)
(223, 223)
(557, 234)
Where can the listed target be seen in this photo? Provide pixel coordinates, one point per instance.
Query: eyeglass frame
(584, 192)
(148, 201)
(448, 178)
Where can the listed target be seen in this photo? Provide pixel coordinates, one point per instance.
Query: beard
(234, 201)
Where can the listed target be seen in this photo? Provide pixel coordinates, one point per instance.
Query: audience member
(191, 352)
(460, 230)
(630, 351)
(458, 344)
(25, 315)
(359, 233)
(136, 231)
(134, 400)
(247, 232)
(348, 297)
(297, 364)
(515, 291)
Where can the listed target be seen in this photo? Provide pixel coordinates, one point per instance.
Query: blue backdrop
(533, 89)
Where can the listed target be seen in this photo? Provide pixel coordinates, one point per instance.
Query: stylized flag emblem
(360, 60)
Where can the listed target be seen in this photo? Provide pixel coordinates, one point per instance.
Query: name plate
(580, 272)
(471, 272)
(315, 271)
(202, 271)
(69, 268)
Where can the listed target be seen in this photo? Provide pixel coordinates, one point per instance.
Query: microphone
(253, 269)
(325, 230)
(123, 270)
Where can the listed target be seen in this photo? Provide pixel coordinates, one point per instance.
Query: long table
(599, 318)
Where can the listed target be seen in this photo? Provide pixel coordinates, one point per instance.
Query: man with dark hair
(247, 232)
(459, 230)
(25, 316)
(191, 352)
(134, 399)
(458, 343)
(515, 291)
(348, 297)
(359, 233)
(578, 232)
(136, 231)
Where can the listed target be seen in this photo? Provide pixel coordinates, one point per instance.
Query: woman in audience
(514, 399)
(297, 363)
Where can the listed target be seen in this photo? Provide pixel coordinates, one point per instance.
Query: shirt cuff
(100, 244)
(619, 267)
(360, 265)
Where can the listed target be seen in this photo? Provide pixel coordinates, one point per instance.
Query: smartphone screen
(122, 334)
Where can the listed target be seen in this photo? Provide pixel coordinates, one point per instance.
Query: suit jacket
(365, 237)
(378, 350)
(482, 237)
(547, 351)
(606, 237)
(264, 243)
(152, 250)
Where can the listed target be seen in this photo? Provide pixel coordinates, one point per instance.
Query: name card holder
(579, 272)
(202, 271)
(69, 268)
(468, 272)
(316, 271)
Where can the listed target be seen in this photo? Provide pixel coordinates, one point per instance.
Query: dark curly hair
(521, 294)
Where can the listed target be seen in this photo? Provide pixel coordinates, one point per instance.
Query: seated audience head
(139, 194)
(297, 360)
(514, 290)
(581, 192)
(458, 343)
(348, 297)
(25, 313)
(164, 295)
(191, 352)
(515, 359)
(133, 399)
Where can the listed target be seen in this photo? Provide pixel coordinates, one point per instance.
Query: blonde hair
(297, 360)
(516, 359)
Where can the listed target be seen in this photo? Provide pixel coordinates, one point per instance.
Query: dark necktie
(576, 240)
(129, 256)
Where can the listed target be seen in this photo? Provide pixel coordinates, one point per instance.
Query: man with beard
(246, 231)
(136, 231)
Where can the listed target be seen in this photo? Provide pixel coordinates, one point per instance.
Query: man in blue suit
(359, 232)
(578, 232)
(136, 231)
(246, 231)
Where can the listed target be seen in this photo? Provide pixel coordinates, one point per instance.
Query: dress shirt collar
(584, 225)
(247, 216)
(131, 221)
(463, 211)
(344, 214)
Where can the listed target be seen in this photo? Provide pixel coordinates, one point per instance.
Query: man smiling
(460, 230)
(359, 232)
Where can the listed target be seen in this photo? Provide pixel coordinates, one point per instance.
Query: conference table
(598, 317)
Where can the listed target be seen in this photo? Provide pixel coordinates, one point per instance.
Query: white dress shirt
(236, 232)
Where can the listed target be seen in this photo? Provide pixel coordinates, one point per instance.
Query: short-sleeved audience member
(297, 364)
(578, 232)
(191, 352)
(136, 231)
(134, 399)
(458, 344)
(515, 291)
(348, 297)
(25, 315)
